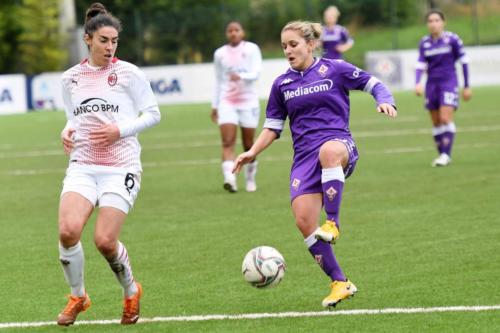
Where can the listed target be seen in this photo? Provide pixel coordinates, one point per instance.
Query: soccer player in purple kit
(335, 38)
(438, 53)
(314, 95)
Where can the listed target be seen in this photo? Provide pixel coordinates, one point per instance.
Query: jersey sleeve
(346, 38)
(458, 50)
(355, 78)
(144, 102)
(421, 63)
(275, 110)
(459, 54)
(68, 106)
(218, 81)
(255, 65)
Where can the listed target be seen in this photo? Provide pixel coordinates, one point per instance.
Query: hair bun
(95, 9)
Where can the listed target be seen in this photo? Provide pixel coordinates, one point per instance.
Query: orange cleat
(131, 307)
(73, 308)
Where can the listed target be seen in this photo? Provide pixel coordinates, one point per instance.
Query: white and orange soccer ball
(263, 267)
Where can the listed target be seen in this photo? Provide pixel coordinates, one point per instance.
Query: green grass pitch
(412, 235)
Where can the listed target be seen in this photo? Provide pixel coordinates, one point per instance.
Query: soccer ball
(263, 267)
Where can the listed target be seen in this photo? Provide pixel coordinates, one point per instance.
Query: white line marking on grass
(214, 143)
(389, 151)
(461, 308)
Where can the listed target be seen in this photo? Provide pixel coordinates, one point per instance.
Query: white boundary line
(216, 142)
(279, 158)
(461, 308)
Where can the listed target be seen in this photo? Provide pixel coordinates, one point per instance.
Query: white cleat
(250, 172)
(251, 186)
(441, 160)
(230, 186)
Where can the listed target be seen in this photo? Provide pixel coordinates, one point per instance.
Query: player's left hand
(105, 135)
(467, 94)
(234, 77)
(388, 109)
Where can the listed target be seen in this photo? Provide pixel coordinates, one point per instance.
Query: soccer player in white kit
(107, 103)
(235, 101)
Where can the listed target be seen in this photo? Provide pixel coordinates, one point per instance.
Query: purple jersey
(439, 56)
(331, 38)
(316, 102)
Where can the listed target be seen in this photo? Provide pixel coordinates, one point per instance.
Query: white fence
(397, 68)
(195, 83)
(13, 94)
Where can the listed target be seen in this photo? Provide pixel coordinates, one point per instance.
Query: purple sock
(332, 180)
(448, 138)
(438, 132)
(322, 252)
(437, 139)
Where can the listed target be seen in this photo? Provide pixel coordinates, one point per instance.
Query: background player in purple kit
(438, 53)
(335, 38)
(314, 95)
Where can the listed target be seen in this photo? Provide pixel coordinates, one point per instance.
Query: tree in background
(40, 46)
(10, 29)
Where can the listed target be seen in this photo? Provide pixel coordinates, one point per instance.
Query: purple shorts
(441, 93)
(305, 176)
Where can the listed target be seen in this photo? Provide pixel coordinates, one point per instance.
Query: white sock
(120, 265)
(310, 240)
(227, 171)
(72, 260)
(251, 171)
(336, 173)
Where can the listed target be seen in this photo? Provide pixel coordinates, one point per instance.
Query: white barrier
(46, 91)
(171, 84)
(13, 94)
(195, 83)
(397, 68)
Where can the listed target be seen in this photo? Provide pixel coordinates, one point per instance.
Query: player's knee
(332, 154)
(304, 224)
(247, 145)
(228, 142)
(105, 245)
(445, 120)
(69, 233)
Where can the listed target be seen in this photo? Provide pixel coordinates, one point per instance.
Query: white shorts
(244, 117)
(103, 186)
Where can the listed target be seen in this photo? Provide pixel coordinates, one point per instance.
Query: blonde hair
(310, 31)
(332, 10)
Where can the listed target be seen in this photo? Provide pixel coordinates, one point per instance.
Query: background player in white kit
(235, 101)
(103, 99)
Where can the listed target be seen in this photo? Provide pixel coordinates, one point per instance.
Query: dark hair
(97, 17)
(434, 11)
(234, 22)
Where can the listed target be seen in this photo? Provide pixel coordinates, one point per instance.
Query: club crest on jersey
(322, 70)
(296, 184)
(112, 79)
(331, 193)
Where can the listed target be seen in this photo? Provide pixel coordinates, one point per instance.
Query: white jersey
(117, 93)
(245, 60)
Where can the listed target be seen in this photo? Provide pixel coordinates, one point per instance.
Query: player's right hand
(467, 94)
(243, 159)
(67, 140)
(419, 90)
(214, 116)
